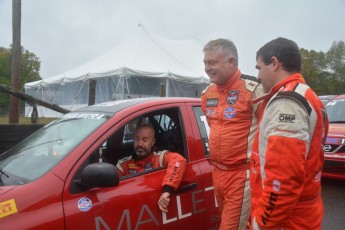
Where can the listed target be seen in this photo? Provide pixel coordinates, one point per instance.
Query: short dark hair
(145, 126)
(285, 50)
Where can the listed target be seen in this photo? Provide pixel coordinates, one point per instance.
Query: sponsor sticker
(90, 116)
(7, 208)
(229, 112)
(232, 97)
(332, 140)
(335, 156)
(84, 204)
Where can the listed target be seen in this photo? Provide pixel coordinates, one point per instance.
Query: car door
(201, 131)
(132, 204)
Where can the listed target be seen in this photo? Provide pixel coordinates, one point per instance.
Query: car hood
(5, 189)
(336, 130)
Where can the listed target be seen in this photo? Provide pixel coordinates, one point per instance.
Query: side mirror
(99, 175)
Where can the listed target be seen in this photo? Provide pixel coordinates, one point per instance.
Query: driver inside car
(145, 158)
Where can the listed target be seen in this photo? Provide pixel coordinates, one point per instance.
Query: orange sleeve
(176, 166)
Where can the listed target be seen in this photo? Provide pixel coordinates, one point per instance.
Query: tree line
(29, 71)
(323, 71)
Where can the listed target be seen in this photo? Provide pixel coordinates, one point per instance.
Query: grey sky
(67, 33)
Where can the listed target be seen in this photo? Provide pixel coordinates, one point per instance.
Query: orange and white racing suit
(287, 158)
(233, 122)
(175, 163)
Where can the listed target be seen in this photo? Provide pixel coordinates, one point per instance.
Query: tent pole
(92, 91)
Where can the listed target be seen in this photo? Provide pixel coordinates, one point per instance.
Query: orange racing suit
(176, 166)
(287, 158)
(233, 121)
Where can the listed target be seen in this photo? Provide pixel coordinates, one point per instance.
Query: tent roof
(143, 54)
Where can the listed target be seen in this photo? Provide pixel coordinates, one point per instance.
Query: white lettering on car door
(204, 121)
(125, 220)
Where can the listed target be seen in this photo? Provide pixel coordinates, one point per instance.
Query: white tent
(137, 67)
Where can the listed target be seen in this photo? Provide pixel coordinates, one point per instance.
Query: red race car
(334, 147)
(63, 176)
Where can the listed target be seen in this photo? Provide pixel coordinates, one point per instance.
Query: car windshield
(336, 111)
(41, 151)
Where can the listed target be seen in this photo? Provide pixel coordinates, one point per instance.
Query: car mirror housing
(100, 174)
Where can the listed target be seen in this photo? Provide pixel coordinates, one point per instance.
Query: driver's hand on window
(163, 201)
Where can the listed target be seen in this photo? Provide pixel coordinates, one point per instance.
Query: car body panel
(38, 203)
(64, 203)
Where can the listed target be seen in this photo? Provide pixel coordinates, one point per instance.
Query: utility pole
(15, 62)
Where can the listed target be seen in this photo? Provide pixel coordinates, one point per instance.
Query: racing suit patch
(148, 166)
(212, 102)
(232, 97)
(287, 118)
(210, 112)
(276, 185)
(229, 112)
(132, 168)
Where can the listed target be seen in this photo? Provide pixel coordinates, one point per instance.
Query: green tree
(336, 65)
(325, 72)
(313, 64)
(29, 69)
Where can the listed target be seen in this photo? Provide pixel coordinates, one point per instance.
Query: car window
(336, 110)
(203, 128)
(167, 125)
(169, 136)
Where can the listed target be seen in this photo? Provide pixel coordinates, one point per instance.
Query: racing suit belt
(234, 167)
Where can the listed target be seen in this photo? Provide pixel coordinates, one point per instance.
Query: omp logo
(287, 118)
(327, 148)
(7, 208)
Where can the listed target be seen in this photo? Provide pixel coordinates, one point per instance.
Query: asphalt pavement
(333, 196)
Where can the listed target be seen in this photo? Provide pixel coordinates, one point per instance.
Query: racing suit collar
(230, 82)
(297, 77)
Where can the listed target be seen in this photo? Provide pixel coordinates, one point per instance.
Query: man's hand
(163, 201)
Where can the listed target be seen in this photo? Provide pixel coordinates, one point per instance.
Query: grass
(26, 120)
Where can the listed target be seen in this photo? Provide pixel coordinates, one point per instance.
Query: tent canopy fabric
(143, 65)
(143, 54)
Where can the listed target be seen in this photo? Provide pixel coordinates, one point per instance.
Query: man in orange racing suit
(233, 122)
(146, 159)
(287, 153)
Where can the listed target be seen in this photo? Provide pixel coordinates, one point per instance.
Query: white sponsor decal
(276, 185)
(334, 156)
(90, 116)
